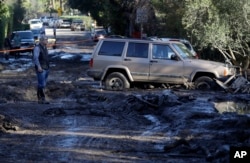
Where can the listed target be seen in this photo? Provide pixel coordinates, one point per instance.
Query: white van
(35, 23)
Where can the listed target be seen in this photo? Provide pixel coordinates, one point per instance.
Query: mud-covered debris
(151, 100)
(235, 84)
(174, 144)
(2, 101)
(156, 100)
(221, 153)
(7, 124)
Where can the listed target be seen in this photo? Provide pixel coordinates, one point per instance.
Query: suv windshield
(36, 31)
(77, 21)
(35, 22)
(183, 50)
(26, 35)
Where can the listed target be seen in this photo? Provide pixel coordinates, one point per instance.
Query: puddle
(230, 106)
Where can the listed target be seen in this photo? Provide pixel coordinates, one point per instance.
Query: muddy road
(84, 123)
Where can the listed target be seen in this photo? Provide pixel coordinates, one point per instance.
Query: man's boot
(39, 97)
(43, 97)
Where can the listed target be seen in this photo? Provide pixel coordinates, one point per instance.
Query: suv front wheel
(116, 82)
(204, 83)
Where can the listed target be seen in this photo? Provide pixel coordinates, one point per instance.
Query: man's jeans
(42, 78)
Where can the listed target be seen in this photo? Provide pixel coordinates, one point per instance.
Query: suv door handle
(153, 61)
(126, 59)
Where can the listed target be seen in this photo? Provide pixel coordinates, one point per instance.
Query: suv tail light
(91, 62)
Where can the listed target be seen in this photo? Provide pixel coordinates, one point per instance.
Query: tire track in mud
(109, 130)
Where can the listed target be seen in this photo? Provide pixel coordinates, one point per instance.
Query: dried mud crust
(86, 124)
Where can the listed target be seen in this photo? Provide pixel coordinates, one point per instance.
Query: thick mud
(84, 123)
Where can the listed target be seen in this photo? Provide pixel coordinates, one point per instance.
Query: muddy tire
(204, 83)
(116, 82)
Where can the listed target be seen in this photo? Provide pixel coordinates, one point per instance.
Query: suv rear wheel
(204, 83)
(116, 81)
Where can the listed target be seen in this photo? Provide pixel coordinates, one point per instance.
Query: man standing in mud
(41, 61)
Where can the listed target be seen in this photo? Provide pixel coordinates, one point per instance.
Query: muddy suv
(118, 63)
(27, 41)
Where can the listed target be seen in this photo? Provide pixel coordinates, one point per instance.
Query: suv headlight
(230, 70)
(226, 71)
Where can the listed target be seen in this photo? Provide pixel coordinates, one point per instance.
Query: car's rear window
(111, 48)
(138, 50)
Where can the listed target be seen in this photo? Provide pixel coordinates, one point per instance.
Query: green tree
(169, 17)
(120, 15)
(222, 24)
(236, 14)
(104, 12)
(18, 12)
(5, 23)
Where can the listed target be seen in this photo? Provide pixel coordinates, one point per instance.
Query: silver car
(118, 63)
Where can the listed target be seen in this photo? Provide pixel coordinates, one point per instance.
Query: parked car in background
(66, 23)
(36, 33)
(59, 21)
(45, 20)
(120, 63)
(27, 40)
(185, 42)
(54, 22)
(98, 34)
(35, 23)
(77, 25)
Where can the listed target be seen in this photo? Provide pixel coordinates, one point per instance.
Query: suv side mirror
(174, 57)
